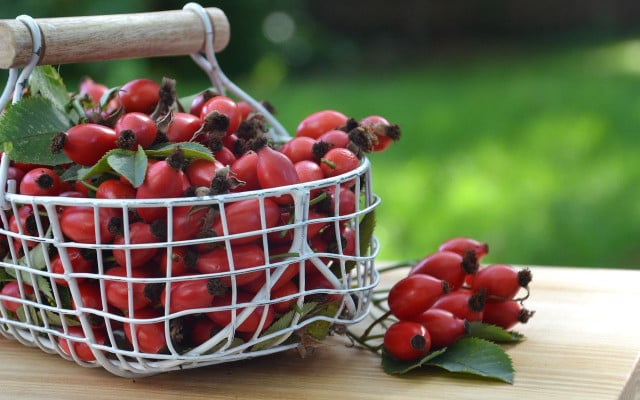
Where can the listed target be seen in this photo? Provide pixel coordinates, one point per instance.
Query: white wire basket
(242, 321)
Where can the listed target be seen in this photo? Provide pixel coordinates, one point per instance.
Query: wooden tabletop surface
(582, 343)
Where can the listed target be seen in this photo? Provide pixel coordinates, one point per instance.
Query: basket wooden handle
(107, 37)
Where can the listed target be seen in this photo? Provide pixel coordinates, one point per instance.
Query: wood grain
(582, 343)
(109, 37)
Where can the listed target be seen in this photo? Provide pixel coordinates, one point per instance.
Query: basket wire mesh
(51, 303)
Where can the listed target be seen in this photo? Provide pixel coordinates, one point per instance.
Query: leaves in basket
(319, 329)
(224, 344)
(394, 366)
(367, 226)
(494, 333)
(46, 81)
(131, 165)
(191, 150)
(74, 172)
(35, 259)
(469, 355)
(27, 128)
(283, 323)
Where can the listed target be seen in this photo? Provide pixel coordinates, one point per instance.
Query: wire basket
(145, 322)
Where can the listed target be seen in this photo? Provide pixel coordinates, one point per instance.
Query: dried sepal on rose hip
(384, 132)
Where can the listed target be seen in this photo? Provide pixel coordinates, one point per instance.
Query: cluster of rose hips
(144, 115)
(445, 291)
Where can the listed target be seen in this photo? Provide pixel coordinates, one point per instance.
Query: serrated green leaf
(102, 166)
(393, 366)
(46, 81)
(493, 333)
(27, 128)
(191, 150)
(35, 260)
(21, 313)
(56, 319)
(130, 165)
(478, 357)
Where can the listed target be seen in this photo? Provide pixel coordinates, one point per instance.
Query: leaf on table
(477, 357)
(493, 333)
(392, 365)
(27, 129)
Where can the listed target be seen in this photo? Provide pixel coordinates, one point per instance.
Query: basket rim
(9, 196)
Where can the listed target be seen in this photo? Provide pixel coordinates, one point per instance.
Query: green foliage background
(530, 145)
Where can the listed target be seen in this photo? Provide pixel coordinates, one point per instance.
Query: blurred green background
(521, 122)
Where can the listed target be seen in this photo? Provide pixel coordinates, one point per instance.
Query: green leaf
(56, 319)
(367, 226)
(73, 173)
(235, 342)
(107, 96)
(36, 261)
(493, 333)
(320, 329)
(130, 165)
(21, 313)
(477, 357)
(281, 323)
(4, 275)
(101, 167)
(191, 150)
(46, 81)
(392, 365)
(27, 128)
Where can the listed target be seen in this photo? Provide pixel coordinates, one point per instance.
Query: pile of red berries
(445, 291)
(233, 154)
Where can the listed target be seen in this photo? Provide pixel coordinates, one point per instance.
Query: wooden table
(583, 343)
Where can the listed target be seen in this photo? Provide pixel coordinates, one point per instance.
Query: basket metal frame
(355, 280)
